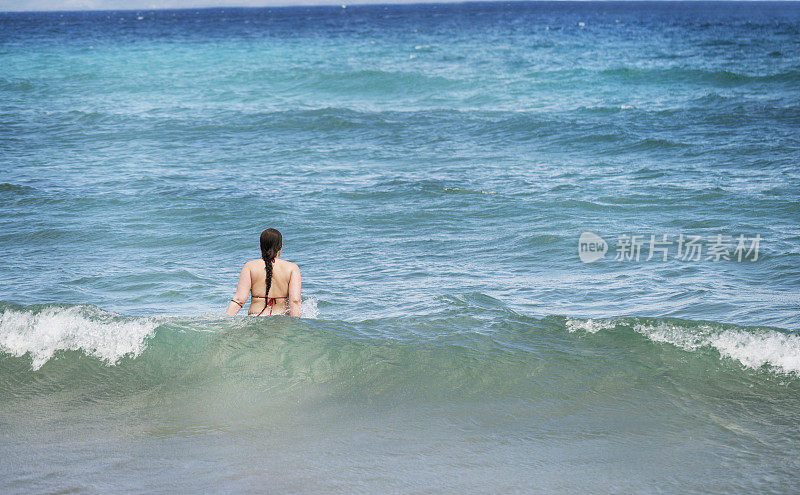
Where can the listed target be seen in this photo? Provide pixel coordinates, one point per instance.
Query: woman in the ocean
(273, 282)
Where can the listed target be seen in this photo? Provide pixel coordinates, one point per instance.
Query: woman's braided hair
(271, 243)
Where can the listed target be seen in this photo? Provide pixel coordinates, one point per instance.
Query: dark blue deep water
(432, 168)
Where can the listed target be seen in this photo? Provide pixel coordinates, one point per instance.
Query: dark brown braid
(271, 243)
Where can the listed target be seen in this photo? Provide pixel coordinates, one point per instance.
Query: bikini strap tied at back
(270, 303)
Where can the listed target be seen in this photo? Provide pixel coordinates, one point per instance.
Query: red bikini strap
(270, 302)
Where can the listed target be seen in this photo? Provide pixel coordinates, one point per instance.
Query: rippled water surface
(431, 168)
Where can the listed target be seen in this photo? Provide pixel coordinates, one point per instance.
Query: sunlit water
(431, 168)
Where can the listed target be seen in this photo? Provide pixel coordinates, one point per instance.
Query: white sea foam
(309, 309)
(590, 325)
(752, 347)
(97, 333)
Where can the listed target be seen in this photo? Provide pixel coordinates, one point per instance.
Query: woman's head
(271, 243)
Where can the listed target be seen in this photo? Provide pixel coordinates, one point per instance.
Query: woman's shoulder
(288, 265)
(256, 264)
(259, 263)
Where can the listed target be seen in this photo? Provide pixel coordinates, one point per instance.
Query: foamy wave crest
(97, 333)
(752, 347)
(590, 325)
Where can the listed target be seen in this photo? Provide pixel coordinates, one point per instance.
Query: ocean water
(432, 168)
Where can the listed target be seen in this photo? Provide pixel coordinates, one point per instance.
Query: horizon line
(378, 3)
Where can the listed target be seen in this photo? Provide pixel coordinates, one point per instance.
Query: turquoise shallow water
(431, 168)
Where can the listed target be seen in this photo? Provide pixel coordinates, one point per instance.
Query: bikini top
(270, 302)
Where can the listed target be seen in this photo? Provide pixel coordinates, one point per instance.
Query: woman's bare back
(284, 292)
(278, 296)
